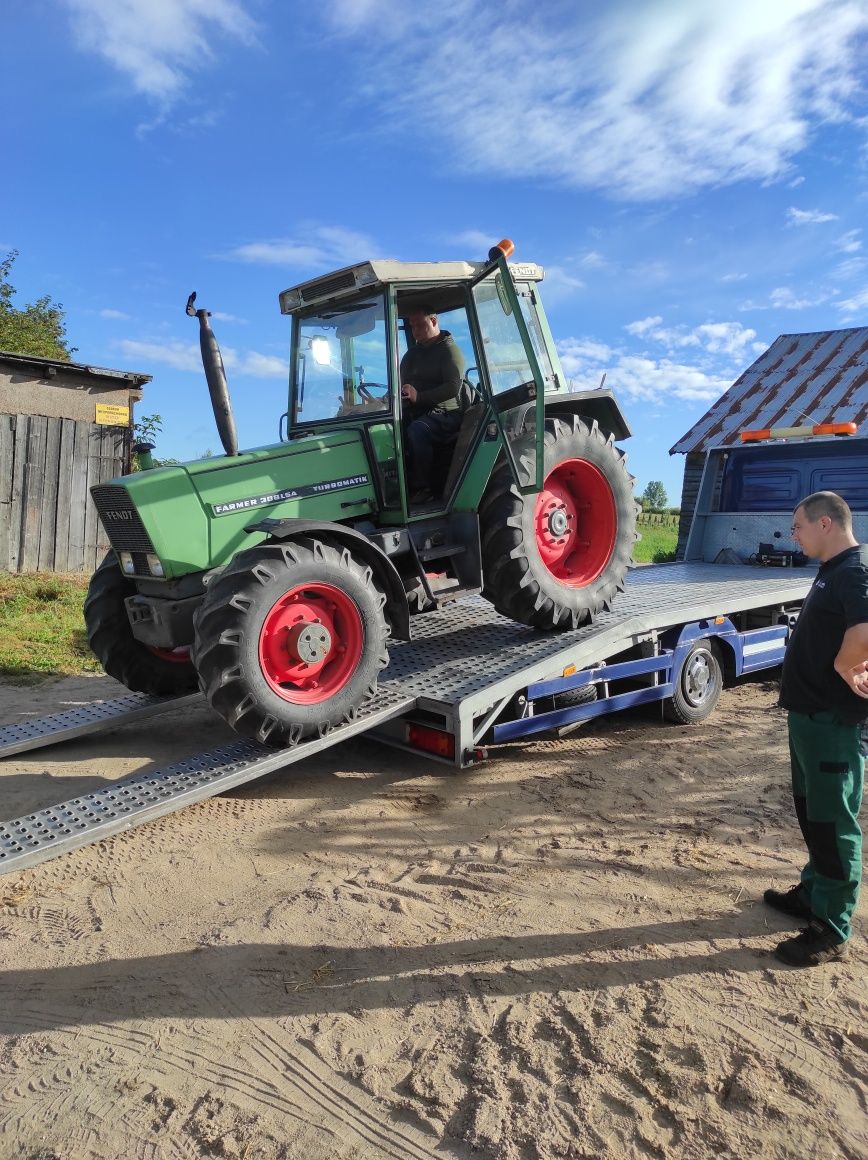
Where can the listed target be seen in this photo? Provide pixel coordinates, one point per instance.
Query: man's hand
(409, 392)
(851, 664)
(857, 679)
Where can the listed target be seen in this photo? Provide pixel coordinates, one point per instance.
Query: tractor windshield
(341, 362)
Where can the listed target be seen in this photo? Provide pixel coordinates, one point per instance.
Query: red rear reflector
(431, 740)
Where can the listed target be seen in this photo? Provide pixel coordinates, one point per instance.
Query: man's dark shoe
(793, 901)
(811, 947)
(421, 495)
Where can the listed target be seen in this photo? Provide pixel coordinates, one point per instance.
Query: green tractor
(274, 578)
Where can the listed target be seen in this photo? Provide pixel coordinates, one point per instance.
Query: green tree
(39, 329)
(654, 495)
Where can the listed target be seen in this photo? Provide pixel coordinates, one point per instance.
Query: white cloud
(855, 307)
(785, 299)
(733, 277)
(183, 356)
(219, 316)
(313, 248)
(808, 217)
(727, 338)
(158, 44)
(113, 314)
(476, 243)
(719, 350)
(643, 101)
(849, 243)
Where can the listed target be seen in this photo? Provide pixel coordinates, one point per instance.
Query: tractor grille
(121, 521)
(345, 281)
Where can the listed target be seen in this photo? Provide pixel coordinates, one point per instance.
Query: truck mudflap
(134, 800)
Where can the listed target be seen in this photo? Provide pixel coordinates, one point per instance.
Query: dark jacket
(436, 370)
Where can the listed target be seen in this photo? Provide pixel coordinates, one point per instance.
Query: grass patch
(657, 545)
(42, 627)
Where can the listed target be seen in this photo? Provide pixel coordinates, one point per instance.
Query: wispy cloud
(643, 101)
(313, 247)
(784, 298)
(474, 243)
(855, 307)
(183, 356)
(113, 314)
(808, 217)
(718, 352)
(849, 243)
(158, 44)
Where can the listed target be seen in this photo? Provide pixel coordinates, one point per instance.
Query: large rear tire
(162, 672)
(554, 560)
(290, 639)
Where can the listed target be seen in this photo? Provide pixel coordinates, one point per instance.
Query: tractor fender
(397, 608)
(589, 405)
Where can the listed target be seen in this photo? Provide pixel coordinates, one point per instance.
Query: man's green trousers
(827, 758)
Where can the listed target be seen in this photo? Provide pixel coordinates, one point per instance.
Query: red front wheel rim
(575, 522)
(311, 643)
(175, 656)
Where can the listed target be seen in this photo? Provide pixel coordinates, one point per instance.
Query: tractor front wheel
(554, 560)
(290, 639)
(142, 669)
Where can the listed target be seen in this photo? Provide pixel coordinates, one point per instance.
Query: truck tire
(290, 639)
(142, 669)
(698, 686)
(554, 560)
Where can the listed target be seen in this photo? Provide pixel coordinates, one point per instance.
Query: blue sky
(692, 176)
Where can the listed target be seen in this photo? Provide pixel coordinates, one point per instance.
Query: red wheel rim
(575, 522)
(177, 656)
(311, 643)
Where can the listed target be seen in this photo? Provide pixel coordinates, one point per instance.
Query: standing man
(432, 372)
(824, 687)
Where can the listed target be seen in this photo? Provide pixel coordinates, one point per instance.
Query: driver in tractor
(432, 373)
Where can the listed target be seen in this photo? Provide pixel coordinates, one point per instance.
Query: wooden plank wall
(47, 466)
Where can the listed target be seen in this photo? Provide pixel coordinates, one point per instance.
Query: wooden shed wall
(47, 466)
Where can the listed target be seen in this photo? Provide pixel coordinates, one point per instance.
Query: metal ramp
(132, 801)
(85, 720)
(464, 665)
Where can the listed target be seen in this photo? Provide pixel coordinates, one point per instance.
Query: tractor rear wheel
(554, 560)
(290, 639)
(142, 669)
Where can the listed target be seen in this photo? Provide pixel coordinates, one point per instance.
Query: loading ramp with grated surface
(458, 681)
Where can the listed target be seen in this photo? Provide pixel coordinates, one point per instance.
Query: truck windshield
(341, 363)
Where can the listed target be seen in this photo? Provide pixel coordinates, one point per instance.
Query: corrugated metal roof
(801, 378)
(11, 358)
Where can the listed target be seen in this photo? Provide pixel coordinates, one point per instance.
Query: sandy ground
(558, 954)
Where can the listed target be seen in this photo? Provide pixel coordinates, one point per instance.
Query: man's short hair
(423, 309)
(827, 503)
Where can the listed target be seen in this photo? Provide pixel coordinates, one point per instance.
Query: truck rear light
(431, 740)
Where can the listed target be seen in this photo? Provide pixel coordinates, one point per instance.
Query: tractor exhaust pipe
(215, 373)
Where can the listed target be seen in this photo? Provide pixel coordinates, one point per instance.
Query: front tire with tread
(234, 672)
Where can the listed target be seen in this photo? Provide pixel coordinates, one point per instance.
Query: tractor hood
(191, 517)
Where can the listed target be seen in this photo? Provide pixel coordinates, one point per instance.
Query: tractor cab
(351, 331)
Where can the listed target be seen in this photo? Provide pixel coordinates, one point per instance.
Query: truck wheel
(698, 686)
(290, 639)
(138, 666)
(554, 560)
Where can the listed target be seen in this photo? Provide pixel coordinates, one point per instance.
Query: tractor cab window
(341, 363)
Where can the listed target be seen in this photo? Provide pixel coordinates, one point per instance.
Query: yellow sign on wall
(112, 415)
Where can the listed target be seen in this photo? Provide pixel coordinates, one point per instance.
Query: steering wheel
(368, 395)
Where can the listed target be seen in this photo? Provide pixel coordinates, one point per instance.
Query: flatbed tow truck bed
(468, 676)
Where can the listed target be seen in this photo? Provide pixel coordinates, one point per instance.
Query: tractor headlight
(155, 565)
(127, 566)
